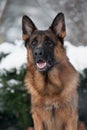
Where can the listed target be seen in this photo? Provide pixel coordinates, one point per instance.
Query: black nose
(38, 52)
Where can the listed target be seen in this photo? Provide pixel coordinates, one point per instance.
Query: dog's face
(42, 46)
(42, 43)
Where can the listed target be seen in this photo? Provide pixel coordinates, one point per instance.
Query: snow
(77, 55)
(13, 82)
(10, 89)
(1, 85)
(6, 48)
(17, 56)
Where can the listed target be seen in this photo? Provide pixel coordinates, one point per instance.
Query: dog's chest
(49, 116)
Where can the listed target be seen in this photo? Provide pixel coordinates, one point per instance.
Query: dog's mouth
(43, 65)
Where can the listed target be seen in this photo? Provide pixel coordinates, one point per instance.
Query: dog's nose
(38, 52)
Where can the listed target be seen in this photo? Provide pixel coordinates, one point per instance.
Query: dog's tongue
(41, 65)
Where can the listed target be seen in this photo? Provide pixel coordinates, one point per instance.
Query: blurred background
(43, 12)
(14, 100)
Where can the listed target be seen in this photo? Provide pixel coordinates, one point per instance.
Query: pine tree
(14, 100)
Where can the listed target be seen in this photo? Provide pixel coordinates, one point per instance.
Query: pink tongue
(41, 65)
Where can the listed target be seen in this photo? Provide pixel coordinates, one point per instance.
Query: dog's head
(41, 44)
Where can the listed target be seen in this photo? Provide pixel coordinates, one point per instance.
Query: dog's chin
(43, 66)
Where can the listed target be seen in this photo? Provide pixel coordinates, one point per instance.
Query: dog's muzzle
(43, 63)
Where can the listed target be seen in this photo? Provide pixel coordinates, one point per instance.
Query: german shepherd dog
(51, 79)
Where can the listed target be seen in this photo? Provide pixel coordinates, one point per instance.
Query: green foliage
(14, 98)
(83, 78)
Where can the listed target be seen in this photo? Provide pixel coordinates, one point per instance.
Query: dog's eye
(34, 42)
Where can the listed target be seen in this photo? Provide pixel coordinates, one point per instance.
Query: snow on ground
(17, 56)
(7, 48)
(77, 55)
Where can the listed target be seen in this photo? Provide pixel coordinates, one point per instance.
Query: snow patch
(13, 82)
(1, 85)
(16, 58)
(6, 48)
(77, 55)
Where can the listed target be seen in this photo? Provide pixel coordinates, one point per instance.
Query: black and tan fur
(53, 88)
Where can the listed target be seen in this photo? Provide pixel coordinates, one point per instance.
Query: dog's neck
(49, 83)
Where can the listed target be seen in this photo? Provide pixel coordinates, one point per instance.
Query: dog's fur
(51, 79)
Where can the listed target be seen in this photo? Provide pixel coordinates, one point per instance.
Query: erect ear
(58, 25)
(27, 27)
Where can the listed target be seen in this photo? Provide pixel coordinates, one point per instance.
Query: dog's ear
(27, 27)
(58, 25)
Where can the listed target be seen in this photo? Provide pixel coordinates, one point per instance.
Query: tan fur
(54, 98)
(55, 101)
